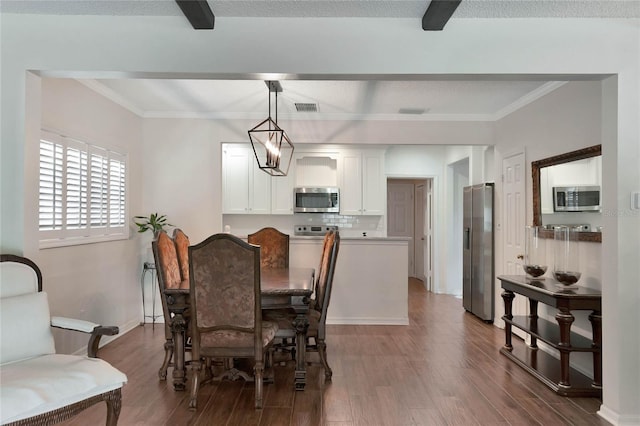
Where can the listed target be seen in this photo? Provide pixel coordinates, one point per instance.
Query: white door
(420, 237)
(513, 201)
(428, 233)
(400, 216)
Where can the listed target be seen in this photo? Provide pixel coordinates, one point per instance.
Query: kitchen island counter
(370, 285)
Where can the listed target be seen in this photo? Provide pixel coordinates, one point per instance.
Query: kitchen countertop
(345, 238)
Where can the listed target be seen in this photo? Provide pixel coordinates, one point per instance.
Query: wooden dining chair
(318, 307)
(320, 304)
(274, 247)
(226, 309)
(168, 269)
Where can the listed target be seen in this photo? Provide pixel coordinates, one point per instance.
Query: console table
(556, 374)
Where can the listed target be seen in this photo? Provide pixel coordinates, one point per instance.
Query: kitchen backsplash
(349, 226)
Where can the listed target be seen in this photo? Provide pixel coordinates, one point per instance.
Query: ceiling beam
(438, 13)
(198, 13)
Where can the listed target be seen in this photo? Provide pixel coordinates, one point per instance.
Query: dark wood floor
(442, 369)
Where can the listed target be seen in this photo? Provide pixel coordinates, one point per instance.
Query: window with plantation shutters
(82, 192)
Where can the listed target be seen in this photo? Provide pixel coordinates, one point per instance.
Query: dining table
(286, 288)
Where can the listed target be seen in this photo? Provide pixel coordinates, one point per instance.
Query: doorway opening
(410, 215)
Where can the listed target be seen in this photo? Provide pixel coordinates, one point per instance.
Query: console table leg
(565, 319)
(533, 319)
(508, 297)
(596, 325)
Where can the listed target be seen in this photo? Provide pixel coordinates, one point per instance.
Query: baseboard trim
(368, 321)
(616, 419)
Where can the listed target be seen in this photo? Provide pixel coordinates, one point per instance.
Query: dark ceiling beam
(438, 13)
(198, 13)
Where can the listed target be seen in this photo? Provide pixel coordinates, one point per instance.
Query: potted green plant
(154, 222)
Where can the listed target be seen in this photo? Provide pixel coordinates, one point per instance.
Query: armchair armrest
(96, 331)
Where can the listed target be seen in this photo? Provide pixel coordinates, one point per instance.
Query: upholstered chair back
(225, 286)
(323, 270)
(327, 272)
(274, 247)
(166, 259)
(182, 248)
(18, 275)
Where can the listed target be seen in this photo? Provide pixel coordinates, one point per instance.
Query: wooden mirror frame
(580, 154)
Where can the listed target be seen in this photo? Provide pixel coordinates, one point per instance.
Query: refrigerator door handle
(467, 238)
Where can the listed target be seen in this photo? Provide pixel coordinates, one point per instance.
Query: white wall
(564, 120)
(97, 282)
(98, 45)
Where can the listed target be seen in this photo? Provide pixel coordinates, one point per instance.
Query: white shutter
(99, 178)
(82, 192)
(117, 190)
(50, 188)
(76, 186)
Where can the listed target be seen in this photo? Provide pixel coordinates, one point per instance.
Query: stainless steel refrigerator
(478, 273)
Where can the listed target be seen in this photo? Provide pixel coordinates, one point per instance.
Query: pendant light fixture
(271, 145)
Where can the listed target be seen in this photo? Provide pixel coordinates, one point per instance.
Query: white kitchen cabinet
(282, 191)
(246, 189)
(362, 183)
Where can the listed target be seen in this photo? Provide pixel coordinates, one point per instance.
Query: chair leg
(258, 371)
(114, 404)
(322, 351)
(168, 355)
(196, 369)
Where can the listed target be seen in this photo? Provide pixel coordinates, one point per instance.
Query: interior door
(428, 232)
(420, 237)
(400, 216)
(513, 202)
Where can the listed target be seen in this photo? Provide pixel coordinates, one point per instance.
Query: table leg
(178, 325)
(533, 322)
(301, 324)
(596, 326)
(144, 312)
(565, 319)
(508, 297)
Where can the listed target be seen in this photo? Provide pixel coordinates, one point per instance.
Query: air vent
(302, 107)
(414, 111)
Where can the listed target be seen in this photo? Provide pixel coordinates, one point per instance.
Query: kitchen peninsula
(370, 282)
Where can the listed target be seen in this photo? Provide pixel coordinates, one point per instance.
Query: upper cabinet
(282, 191)
(246, 189)
(362, 183)
(359, 173)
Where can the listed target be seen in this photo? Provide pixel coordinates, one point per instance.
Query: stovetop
(313, 230)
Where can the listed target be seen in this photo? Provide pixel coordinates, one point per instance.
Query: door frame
(435, 257)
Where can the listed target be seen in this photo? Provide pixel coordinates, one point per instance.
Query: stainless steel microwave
(316, 200)
(576, 198)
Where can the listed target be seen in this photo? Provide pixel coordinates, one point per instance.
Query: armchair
(38, 386)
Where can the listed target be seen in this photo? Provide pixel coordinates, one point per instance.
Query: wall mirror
(577, 169)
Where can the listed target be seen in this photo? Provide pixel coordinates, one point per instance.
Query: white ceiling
(335, 8)
(335, 100)
(341, 100)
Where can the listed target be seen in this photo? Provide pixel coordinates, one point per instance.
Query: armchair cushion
(25, 328)
(17, 279)
(44, 383)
